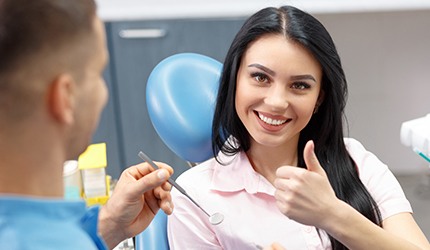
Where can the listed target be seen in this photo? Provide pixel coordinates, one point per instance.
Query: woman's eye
(259, 77)
(300, 85)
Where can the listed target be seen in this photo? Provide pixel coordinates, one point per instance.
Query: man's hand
(140, 192)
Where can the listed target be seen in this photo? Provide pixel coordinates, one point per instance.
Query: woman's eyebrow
(265, 69)
(303, 77)
(273, 73)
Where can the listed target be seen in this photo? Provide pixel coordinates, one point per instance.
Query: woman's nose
(277, 98)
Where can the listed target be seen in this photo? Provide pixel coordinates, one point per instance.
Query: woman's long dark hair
(325, 127)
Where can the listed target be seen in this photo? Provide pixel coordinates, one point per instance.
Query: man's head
(53, 54)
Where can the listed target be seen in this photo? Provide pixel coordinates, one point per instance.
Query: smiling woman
(275, 99)
(286, 165)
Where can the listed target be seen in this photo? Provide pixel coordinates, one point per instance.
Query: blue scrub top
(32, 223)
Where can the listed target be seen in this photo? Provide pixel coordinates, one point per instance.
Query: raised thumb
(311, 160)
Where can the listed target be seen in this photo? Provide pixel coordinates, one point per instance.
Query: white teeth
(270, 120)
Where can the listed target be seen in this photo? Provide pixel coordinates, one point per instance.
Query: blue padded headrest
(180, 95)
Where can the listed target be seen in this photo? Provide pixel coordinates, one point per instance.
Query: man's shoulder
(28, 223)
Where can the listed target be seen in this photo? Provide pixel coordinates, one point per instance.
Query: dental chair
(180, 96)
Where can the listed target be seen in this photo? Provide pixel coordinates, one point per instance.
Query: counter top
(121, 10)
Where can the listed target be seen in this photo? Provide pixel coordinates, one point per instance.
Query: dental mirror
(214, 219)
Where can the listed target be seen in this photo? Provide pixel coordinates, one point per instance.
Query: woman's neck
(266, 160)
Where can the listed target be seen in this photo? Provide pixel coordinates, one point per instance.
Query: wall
(386, 57)
(114, 10)
(384, 49)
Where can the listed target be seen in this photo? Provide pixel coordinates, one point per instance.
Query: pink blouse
(246, 199)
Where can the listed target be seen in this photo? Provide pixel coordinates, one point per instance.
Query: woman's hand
(305, 195)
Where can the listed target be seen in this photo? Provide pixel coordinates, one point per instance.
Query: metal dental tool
(214, 219)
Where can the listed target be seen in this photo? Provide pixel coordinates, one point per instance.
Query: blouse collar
(239, 175)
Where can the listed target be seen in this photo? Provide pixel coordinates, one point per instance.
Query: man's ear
(61, 98)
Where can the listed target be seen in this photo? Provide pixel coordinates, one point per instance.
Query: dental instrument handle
(146, 158)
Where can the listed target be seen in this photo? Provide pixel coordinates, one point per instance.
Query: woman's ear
(61, 98)
(321, 97)
(319, 101)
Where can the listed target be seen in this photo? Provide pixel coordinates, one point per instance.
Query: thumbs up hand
(311, 160)
(305, 195)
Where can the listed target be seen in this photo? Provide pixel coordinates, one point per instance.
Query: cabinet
(107, 130)
(132, 60)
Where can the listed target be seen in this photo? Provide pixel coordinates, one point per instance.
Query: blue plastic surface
(154, 237)
(180, 95)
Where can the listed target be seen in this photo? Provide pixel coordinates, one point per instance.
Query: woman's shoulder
(353, 144)
(378, 179)
(368, 164)
(201, 172)
(357, 151)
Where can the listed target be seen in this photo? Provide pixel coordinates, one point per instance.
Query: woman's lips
(272, 123)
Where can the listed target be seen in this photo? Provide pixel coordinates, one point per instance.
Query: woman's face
(278, 85)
